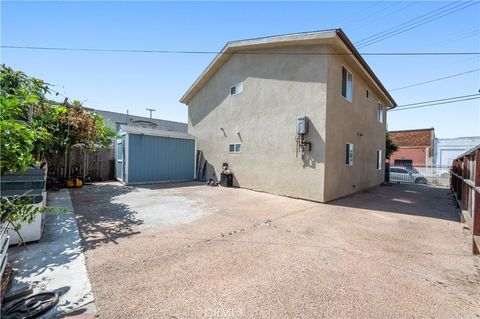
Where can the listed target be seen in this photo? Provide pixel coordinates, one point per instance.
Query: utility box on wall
(145, 155)
(302, 125)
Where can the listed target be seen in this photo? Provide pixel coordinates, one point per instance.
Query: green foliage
(34, 128)
(17, 145)
(21, 209)
(390, 147)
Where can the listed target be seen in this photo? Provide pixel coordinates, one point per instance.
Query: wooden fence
(98, 165)
(465, 185)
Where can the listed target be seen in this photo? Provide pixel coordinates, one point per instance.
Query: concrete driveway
(189, 251)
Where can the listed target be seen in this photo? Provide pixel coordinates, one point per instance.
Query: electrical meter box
(302, 125)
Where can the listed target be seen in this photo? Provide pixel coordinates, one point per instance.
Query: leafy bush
(21, 209)
(389, 146)
(34, 128)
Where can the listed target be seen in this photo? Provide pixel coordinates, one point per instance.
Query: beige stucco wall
(352, 122)
(277, 89)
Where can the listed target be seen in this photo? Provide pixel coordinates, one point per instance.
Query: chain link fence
(420, 174)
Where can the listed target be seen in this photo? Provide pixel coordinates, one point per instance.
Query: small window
(380, 113)
(347, 91)
(234, 148)
(236, 89)
(349, 154)
(379, 159)
(369, 95)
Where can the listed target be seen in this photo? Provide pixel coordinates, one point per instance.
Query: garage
(145, 155)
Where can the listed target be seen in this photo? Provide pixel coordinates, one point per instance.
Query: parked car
(406, 175)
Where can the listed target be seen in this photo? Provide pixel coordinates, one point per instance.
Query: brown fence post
(465, 183)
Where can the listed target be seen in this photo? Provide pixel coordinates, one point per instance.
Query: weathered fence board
(99, 165)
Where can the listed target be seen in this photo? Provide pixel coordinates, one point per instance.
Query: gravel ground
(190, 251)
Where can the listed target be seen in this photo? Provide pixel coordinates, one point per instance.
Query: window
(234, 148)
(236, 89)
(403, 162)
(346, 84)
(380, 113)
(349, 154)
(369, 95)
(379, 159)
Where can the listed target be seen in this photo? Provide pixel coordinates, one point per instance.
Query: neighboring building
(114, 120)
(244, 110)
(415, 147)
(448, 149)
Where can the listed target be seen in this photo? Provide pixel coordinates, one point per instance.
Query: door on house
(121, 158)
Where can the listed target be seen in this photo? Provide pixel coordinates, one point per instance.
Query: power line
(378, 5)
(232, 53)
(399, 30)
(434, 80)
(414, 20)
(413, 23)
(434, 104)
(389, 14)
(440, 100)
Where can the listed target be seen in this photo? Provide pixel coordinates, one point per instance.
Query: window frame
(379, 160)
(369, 95)
(235, 151)
(346, 96)
(238, 88)
(380, 113)
(349, 151)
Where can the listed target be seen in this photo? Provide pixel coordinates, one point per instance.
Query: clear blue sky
(134, 81)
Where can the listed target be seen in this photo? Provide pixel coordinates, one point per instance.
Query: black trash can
(226, 180)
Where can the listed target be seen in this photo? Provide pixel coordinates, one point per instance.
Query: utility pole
(151, 110)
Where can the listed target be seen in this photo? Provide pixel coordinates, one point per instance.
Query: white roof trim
(154, 132)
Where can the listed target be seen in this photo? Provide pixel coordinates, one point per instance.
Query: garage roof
(154, 132)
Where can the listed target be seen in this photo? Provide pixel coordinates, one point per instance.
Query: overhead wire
(410, 26)
(434, 104)
(414, 20)
(232, 53)
(434, 80)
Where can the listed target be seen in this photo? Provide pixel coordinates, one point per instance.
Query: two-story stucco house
(249, 108)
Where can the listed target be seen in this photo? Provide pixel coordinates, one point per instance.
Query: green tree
(33, 128)
(390, 147)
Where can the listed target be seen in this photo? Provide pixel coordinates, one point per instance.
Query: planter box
(31, 183)
(30, 232)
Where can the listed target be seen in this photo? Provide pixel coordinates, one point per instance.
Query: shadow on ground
(49, 252)
(100, 220)
(405, 199)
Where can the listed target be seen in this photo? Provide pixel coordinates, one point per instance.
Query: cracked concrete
(395, 251)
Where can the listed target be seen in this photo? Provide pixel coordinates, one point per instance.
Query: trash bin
(226, 180)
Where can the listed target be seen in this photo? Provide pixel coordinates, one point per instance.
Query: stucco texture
(354, 123)
(279, 85)
(277, 88)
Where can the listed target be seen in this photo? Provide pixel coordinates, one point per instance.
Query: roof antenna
(151, 110)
